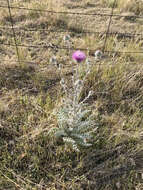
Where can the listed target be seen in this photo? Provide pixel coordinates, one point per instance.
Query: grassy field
(30, 93)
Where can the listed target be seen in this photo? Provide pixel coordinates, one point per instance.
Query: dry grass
(30, 93)
(126, 6)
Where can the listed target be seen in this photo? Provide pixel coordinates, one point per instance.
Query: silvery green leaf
(60, 133)
(84, 144)
(85, 126)
(83, 114)
(87, 144)
(77, 136)
(68, 140)
(75, 148)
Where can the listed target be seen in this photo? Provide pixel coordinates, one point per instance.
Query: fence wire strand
(72, 13)
(120, 34)
(53, 46)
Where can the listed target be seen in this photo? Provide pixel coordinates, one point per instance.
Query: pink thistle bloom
(78, 56)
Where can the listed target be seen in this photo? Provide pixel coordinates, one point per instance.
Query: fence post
(108, 28)
(14, 35)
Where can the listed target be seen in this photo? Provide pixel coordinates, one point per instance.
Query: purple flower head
(78, 56)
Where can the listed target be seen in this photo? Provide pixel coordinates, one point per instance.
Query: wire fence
(106, 34)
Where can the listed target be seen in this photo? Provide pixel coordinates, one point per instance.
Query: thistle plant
(74, 118)
(76, 124)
